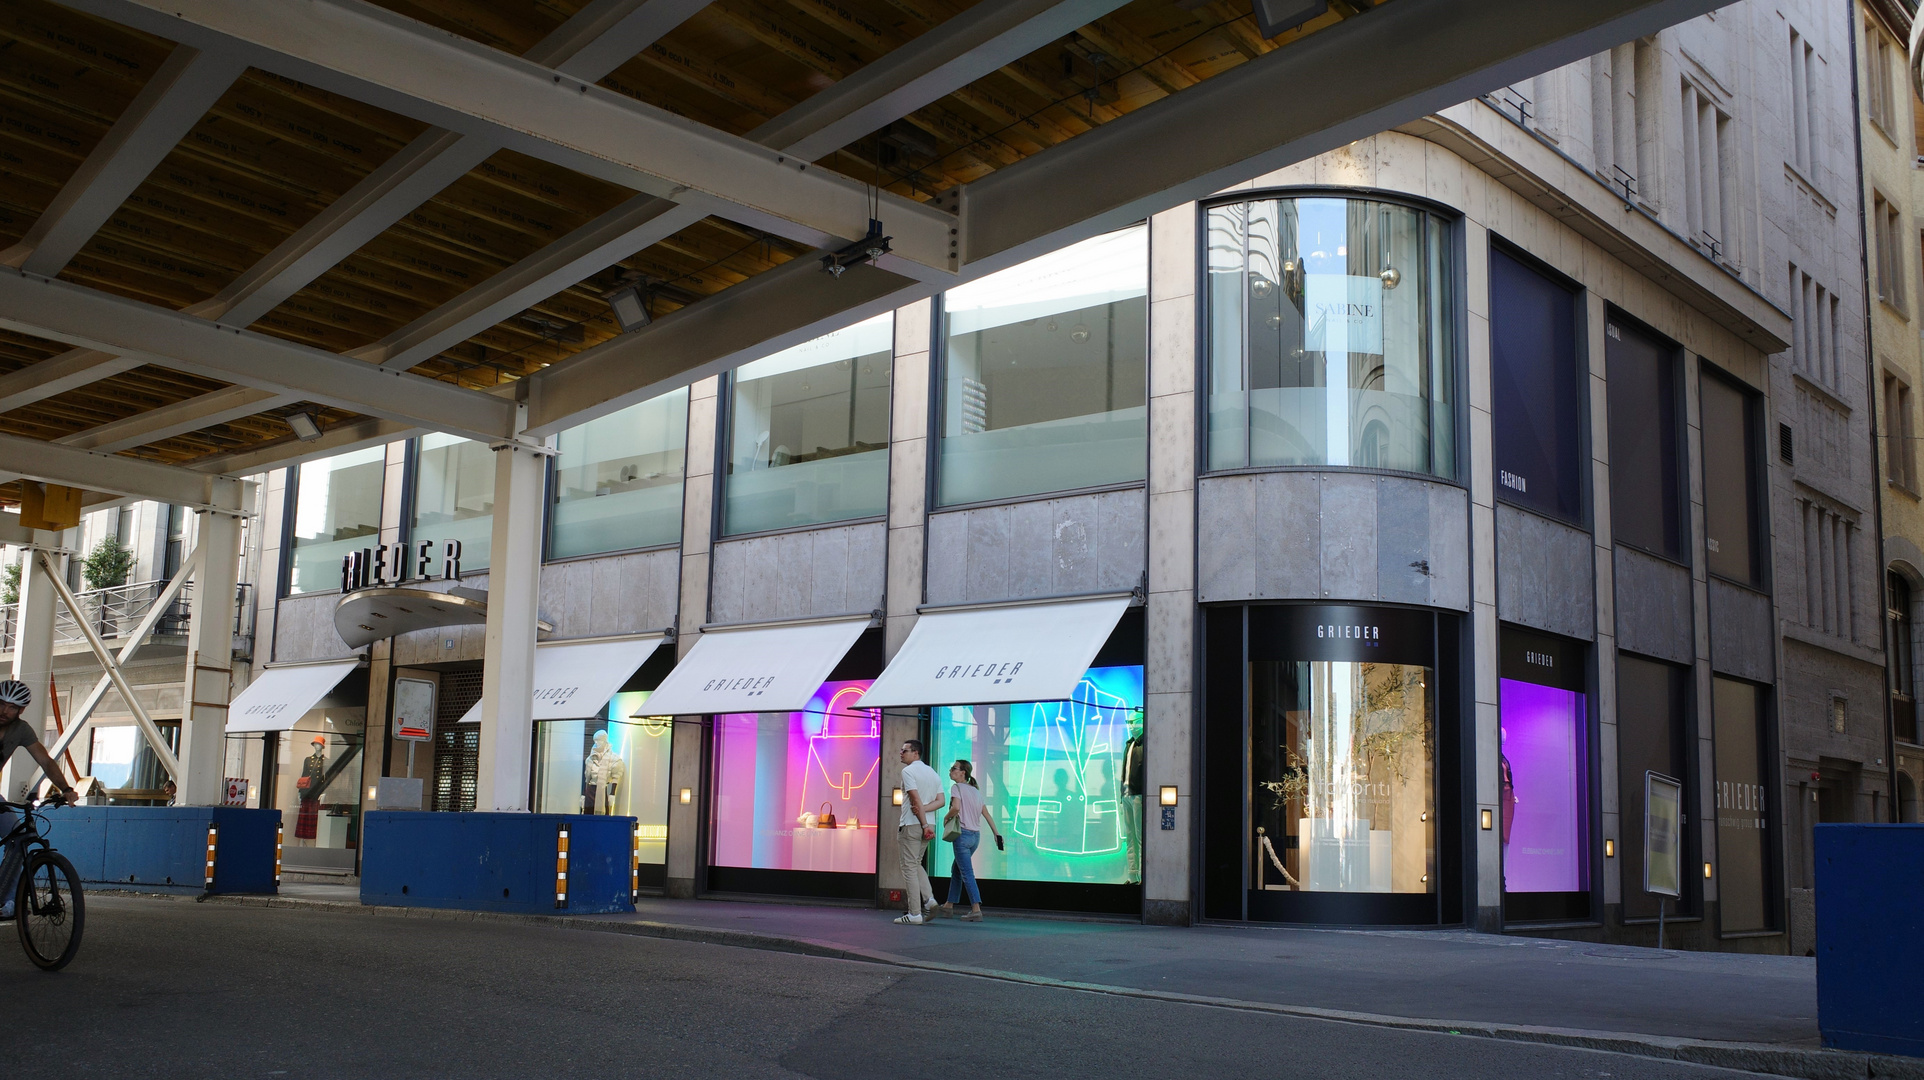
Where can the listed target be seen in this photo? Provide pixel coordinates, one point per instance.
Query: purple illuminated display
(1543, 801)
(779, 777)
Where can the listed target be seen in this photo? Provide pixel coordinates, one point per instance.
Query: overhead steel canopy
(401, 216)
(369, 615)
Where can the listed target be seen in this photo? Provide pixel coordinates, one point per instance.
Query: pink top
(967, 801)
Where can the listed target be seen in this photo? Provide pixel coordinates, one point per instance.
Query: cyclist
(16, 733)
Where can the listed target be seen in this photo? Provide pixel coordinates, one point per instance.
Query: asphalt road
(178, 990)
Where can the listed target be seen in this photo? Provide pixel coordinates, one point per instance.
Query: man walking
(921, 798)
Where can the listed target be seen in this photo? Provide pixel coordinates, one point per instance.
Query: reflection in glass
(614, 764)
(618, 479)
(337, 510)
(454, 496)
(1330, 340)
(1341, 777)
(1052, 775)
(797, 791)
(1542, 796)
(316, 784)
(1045, 374)
(123, 761)
(808, 437)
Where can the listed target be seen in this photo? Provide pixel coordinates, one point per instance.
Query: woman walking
(962, 828)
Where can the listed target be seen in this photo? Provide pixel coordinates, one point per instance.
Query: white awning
(755, 669)
(989, 656)
(573, 680)
(283, 695)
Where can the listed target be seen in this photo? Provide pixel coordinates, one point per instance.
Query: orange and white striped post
(213, 849)
(280, 835)
(561, 867)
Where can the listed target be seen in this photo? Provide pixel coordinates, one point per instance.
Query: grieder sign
(389, 564)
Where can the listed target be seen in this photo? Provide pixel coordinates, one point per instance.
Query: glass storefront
(795, 796)
(1323, 768)
(311, 773)
(808, 433)
(1330, 336)
(1057, 779)
(337, 510)
(1045, 373)
(1746, 872)
(1543, 797)
(454, 496)
(1652, 736)
(615, 764)
(617, 480)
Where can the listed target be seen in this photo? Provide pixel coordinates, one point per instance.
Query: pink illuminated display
(780, 776)
(1544, 797)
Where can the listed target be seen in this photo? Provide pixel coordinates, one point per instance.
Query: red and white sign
(234, 791)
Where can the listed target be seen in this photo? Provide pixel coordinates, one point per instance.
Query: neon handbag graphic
(842, 757)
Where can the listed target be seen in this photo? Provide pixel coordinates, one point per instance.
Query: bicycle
(49, 907)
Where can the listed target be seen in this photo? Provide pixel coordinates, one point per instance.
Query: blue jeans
(962, 871)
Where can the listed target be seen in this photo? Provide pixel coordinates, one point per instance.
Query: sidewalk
(1733, 1010)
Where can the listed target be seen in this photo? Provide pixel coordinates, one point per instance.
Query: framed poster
(1662, 835)
(413, 710)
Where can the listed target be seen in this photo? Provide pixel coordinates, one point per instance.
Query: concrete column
(907, 528)
(33, 652)
(381, 653)
(514, 590)
(697, 529)
(1169, 678)
(210, 648)
(1596, 313)
(1483, 861)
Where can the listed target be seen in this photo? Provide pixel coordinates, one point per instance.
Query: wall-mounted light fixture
(895, 797)
(687, 796)
(303, 426)
(1609, 849)
(1706, 871)
(1167, 796)
(1488, 820)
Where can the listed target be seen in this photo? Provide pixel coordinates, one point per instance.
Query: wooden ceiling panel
(19, 350)
(126, 394)
(246, 433)
(64, 79)
(513, 26)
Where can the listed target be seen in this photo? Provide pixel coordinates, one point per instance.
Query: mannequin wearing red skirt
(308, 788)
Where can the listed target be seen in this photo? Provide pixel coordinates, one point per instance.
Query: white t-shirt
(919, 778)
(967, 800)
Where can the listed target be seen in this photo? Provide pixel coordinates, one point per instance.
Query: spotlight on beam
(305, 429)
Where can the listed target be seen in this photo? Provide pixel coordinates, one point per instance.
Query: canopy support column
(210, 649)
(514, 589)
(32, 650)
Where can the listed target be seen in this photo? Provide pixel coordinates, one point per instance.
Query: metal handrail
(117, 611)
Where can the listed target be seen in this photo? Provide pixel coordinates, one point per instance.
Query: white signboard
(413, 710)
(1662, 835)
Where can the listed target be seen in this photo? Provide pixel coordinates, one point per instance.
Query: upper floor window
(1708, 170)
(1045, 372)
(337, 510)
(1814, 345)
(1646, 496)
(1806, 138)
(454, 496)
(1880, 96)
(617, 480)
(1329, 336)
(1732, 418)
(1900, 441)
(1890, 250)
(1536, 386)
(808, 433)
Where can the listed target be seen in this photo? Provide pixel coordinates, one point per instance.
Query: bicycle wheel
(50, 910)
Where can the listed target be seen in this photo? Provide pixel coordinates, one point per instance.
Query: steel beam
(93, 319)
(176, 96)
(397, 64)
(134, 477)
(791, 304)
(279, 455)
(1361, 76)
(57, 375)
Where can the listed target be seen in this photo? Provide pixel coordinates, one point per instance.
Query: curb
(1808, 1064)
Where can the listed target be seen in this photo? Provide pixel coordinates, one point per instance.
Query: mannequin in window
(308, 790)
(601, 776)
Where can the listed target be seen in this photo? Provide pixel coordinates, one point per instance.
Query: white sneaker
(909, 920)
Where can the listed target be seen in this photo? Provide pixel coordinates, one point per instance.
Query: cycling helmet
(15, 692)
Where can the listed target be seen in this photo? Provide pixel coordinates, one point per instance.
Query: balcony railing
(118, 611)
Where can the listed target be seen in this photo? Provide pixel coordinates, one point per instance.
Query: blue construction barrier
(164, 848)
(496, 862)
(1870, 937)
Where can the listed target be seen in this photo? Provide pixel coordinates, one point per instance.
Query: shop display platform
(1870, 937)
(164, 848)
(498, 862)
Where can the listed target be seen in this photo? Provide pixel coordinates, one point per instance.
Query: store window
(808, 433)
(618, 479)
(1745, 873)
(615, 764)
(1733, 475)
(1651, 701)
(124, 762)
(1044, 374)
(1543, 797)
(1330, 340)
(454, 496)
(1902, 666)
(1536, 383)
(337, 510)
(1056, 777)
(312, 775)
(1646, 496)
(798, 791)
